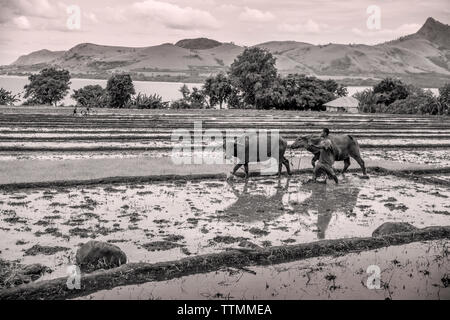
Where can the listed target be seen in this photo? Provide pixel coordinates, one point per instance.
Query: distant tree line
(51, 85)
(394, 96)
(252, 82)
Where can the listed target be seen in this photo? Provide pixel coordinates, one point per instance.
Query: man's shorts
(321, 167)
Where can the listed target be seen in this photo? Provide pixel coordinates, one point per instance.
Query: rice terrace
(108, 177)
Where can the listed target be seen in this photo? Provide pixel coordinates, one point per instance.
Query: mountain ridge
(425, 52)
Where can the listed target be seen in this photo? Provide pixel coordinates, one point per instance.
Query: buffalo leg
(280, 166)
(286, 164)
(346, 165)
(361, 164)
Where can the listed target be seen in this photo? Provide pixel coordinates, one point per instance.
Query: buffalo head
(308, 142)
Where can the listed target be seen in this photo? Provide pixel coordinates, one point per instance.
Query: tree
(218, 89)
(91, 96)
(120, 88)
(7, 98)
(253, 72)
(307, 93)
(194, 99)
(274, 97)
(444, 99)
(143, 101)
(335, 88)
(235, 99)
(422, 103)
(367, 101)
(180, 104)
(389, 90)
(418, 101)
(185, 92)
(48, 86)
(197, 99)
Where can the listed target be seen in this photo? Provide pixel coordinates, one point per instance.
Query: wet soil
(169, 220)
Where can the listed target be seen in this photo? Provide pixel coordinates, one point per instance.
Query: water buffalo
(257, 147)
(346, 147)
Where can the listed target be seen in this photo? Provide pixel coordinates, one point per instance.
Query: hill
(424, 53)
(198, 44)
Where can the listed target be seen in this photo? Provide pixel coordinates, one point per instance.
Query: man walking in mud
(326, 158)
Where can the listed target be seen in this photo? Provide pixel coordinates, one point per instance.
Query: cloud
(22, 22)
(402, 30)
(32, 8)
(309, 27)
(255, 15)
(91, 16)
(173, 16)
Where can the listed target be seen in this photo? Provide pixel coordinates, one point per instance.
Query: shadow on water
(326, 200)
(253, 205)
(323, 200)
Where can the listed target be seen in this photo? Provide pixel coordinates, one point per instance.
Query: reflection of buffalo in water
(251, 207)
(256, 207)
(326, 202)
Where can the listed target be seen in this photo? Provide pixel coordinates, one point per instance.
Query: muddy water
(413, 271)
(154, 143)
(167, 221)
(435, 156)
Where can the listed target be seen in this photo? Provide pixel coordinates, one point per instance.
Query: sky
(30, 25)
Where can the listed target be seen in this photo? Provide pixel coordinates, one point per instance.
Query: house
(343, 104)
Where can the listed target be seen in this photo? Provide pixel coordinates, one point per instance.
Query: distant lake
(167, 90)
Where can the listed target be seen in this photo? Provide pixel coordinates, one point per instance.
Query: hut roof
(348, 102)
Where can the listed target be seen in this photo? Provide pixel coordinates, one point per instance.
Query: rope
(291, 156)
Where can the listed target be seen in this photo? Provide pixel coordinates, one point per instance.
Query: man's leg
(330, 172)
(236, 167)
(314, 159)
(317, 170)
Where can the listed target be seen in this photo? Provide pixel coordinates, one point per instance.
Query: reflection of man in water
(328, 202)
(253, 206)
(326, 159)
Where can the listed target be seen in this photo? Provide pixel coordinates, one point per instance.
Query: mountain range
(426, 52)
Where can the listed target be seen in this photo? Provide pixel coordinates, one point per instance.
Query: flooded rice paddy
(171, 220)
(413, 271)
(430, 156)
(174, 219)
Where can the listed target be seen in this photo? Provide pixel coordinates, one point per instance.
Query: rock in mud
(393, 227)
(95, 255)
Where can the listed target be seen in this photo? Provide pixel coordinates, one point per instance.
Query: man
(325, 133)
(326, 158)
